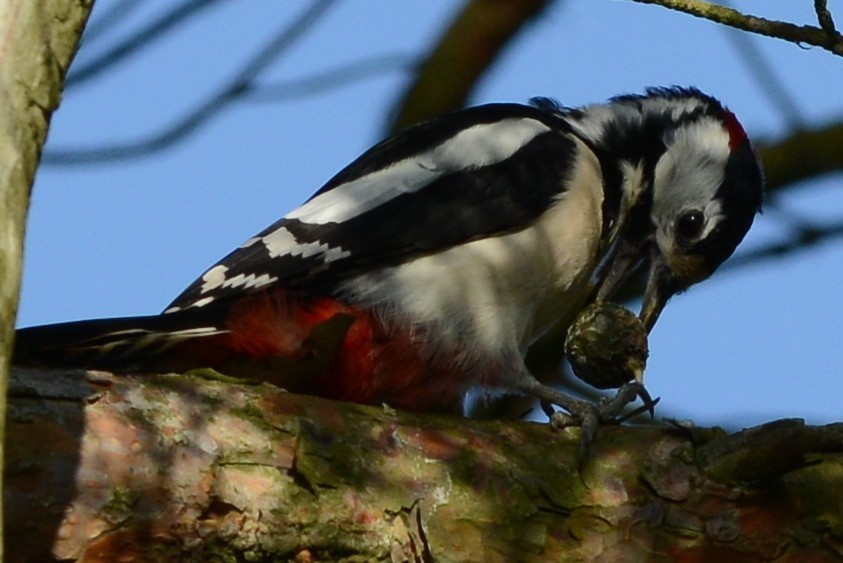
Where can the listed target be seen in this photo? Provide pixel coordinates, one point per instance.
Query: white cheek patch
(477, 146)
(707, 137)
(690, 173)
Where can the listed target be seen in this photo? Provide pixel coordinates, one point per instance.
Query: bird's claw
(589, 416)
(585, 415)
(547, 409)
(627, 394)
(607, 411)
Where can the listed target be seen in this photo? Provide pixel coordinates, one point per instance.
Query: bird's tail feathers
(123, 343)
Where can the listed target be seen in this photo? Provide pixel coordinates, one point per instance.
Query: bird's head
(696, 199)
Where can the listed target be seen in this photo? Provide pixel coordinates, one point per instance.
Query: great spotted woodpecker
(429, 265)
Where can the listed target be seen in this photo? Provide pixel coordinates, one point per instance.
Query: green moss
(321, 457)
(211, 374)
(120, 507)
(248, 412)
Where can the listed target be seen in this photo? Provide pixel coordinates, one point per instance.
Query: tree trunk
(38, 39)
(199, 468)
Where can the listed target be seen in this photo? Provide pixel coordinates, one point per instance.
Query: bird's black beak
(623, 259)
(622, 262)
(661, 286)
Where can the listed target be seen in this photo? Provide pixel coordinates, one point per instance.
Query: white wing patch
(213, 278)
(202, 302)
(477, 146)
(282, 242)
(248, 281)
(278, 243)
(260, 259)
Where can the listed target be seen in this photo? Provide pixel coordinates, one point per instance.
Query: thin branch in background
(793, 220)
(824, 17)
(108, 20)
(800, 34)
(802, 230)
(803, 240)
(143, 37)
(778, 94)
(767, 77)
(468, 47)
(329, 79)
(278, 45)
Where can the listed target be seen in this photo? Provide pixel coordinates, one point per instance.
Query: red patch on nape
(737, 135)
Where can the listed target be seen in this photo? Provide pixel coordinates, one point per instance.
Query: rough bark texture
(195, 468)
(38, 39)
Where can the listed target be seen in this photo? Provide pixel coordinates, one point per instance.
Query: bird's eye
(690, 225)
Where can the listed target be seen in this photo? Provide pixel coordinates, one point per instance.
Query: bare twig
(329, 79)
(801, 34)
(294, 88)
(101, 24)
(143, 37)
(766, 76)
(806, 237)
(200, 115)
(468, 47)
(824, 17)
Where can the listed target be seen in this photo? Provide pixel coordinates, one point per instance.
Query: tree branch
(800, 34)
(38, 39)
(465, 51)
(107, 19)
(766, 77)
(278, 45)
(802, 155)
(174, 468)
(824, 17)
(803, 239)
(330, 79)
(143, 37)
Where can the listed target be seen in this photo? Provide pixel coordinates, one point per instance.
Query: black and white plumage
(446, 182)
(465, 238)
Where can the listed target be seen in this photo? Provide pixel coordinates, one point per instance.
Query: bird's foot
(589, 416)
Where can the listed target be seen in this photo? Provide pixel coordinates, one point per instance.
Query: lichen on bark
(175, 467)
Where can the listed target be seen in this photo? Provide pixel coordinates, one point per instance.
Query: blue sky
(125, 237)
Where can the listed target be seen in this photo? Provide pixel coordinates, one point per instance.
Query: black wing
(464, 176)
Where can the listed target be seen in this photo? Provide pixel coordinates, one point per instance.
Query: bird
(427, 267)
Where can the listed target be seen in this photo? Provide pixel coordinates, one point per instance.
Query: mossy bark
(189, 468)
